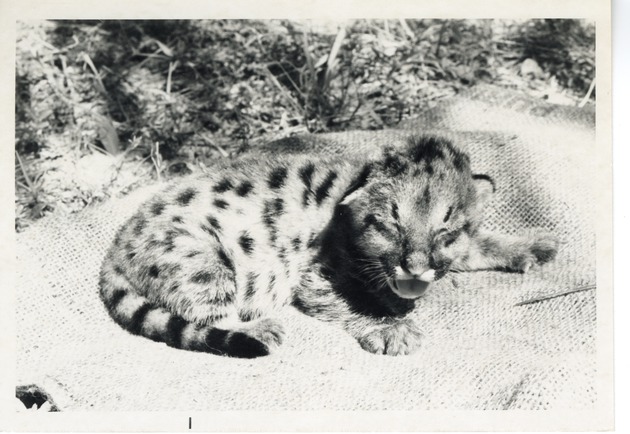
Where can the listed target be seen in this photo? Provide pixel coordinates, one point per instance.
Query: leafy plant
(165, 97)
(564, 48)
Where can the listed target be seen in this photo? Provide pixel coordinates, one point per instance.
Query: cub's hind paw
(268, 331)
(401, 338)
(540, 251)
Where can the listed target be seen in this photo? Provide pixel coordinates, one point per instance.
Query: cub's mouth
(410, 286)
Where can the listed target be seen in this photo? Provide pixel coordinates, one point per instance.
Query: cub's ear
(348, 198)
(484, 185)
(356, 187)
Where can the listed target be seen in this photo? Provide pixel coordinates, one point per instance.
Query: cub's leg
(387, 335)
(504, 252)
(190, 305)
(391, 336)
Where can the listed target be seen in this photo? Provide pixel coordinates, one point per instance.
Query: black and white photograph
(392, 216)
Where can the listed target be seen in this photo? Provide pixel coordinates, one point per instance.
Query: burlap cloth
(482, 350)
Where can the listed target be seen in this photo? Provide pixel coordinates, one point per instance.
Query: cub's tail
(139, 316)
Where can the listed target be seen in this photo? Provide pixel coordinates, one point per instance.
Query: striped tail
(136, 314)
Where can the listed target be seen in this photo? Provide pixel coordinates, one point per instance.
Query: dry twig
(555, 295)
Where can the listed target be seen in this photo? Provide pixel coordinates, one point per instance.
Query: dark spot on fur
(114, 300)
(427, 149)
(118, 270)
(214, 222)
(282, 255)
(193, 254)
(210, 231)
(222, 298)
(250, 287)
(153, 242)
(426, 196)
(244, 189)
(305, 197)
(306, 174)
(201, 277)
(223, 186)
(277, 177)
(300, 305)
(177, 219)
(272, 209)
(217, 336)
(154, 271)
(278, 206)
(246, 242)
(268, 214)
(393, 164)
(215, 341)
(225, 259)
(169, 240)
(395, 211)
(139, 225)
(460, 160)
(135, 325)
(296, 243)
(247, 316)
(323, 190)
(272, 282)
(157, 208)
(174, 328)
(448, 214)
(311, 239)
(169, 269)
(220, 203)
(186, 196)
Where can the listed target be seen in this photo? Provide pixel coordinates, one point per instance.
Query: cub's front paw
(542, 249)
(400, 338)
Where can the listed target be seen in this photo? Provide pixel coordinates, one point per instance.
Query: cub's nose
(425, 274)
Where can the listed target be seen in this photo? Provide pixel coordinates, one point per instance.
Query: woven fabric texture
(488, 343)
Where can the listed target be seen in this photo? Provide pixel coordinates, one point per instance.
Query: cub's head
(413, 215)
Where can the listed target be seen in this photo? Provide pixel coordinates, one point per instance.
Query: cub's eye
(372, 221)
(448, 238)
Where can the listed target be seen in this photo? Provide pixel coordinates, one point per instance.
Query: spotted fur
(209, 262)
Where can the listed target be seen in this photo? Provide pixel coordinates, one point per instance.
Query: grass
(105, 106)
